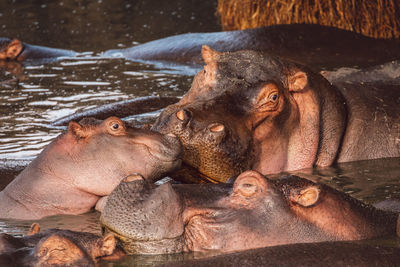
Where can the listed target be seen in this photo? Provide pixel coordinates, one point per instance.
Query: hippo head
(253, 212)
(10, 49)
(101, 153)
(247, 109)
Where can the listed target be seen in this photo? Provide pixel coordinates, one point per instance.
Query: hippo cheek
(221, 231)
(145, 219)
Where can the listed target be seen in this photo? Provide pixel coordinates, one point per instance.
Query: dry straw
(379, 18)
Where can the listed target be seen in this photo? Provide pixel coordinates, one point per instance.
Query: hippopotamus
(14, 49)
(310, 44)
(85, 164)
(56, 247)
(251, 110)
(252, 212)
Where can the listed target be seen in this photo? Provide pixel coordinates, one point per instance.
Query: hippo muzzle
(145, 218)
(216, 146)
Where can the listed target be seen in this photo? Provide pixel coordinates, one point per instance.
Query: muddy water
(47, 92)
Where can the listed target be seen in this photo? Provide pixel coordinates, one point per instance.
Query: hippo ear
(209, 55)
(249, 184)
(108, 245)
(35, 229)
(297, 81)
(12, 50)
(77, 130)
(306, 197)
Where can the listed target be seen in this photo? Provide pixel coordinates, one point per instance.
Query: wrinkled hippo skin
(254, 212)
(314, 45)
(121, 109)
(83, 165)
(311, 254)
(20, 51)
(249, 110)
(55, 247)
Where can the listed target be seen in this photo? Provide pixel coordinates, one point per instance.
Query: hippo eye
(273, 97)
(115, 126)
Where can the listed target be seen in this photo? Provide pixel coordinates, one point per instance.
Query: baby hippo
(86, 163)
(55, 247)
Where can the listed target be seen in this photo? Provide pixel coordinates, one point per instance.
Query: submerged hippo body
(314, 45)
(330, 254)
(249, 110)
(19, 51)
(84, 164)
(55, 247)
(253, 212)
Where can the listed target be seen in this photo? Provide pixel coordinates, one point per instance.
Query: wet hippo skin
(121, 109)
(19, 51)
(253, 212)
(85, 164)
(250, 110)
(316, 45)
(313, 45)
(55, 247)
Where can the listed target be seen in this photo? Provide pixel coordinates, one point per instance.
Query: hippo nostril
(180, 115)
(172, 135)
(133, 177)
(183, 115)
(216, 127)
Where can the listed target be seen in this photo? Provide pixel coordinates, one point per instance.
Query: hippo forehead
(252, 67)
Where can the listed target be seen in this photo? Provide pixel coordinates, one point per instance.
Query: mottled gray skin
(315, 254)
(314, 45)
(253, 212)
(84, 165)
(310, 123)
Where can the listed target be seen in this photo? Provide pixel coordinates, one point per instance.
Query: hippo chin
(253, 212)
(86, 163)
(249, 110)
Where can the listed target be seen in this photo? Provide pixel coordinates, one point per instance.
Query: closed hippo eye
(249, 184)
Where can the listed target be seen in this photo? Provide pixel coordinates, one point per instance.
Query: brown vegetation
(378, 18)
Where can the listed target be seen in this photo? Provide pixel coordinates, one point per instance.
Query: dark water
(50, 91)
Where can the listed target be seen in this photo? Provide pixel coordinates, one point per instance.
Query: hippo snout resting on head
(84, 164)
(253, 212)
(249, 110)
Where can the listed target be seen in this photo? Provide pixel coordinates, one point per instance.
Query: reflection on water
(50, 91)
